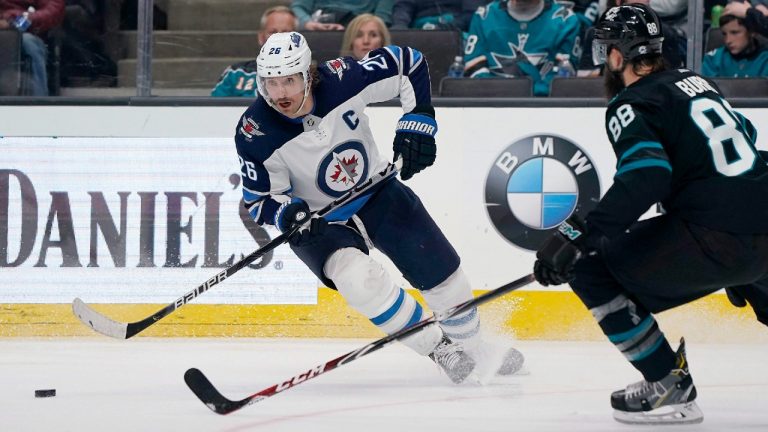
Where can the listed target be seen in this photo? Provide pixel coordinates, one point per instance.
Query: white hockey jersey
(319, 157)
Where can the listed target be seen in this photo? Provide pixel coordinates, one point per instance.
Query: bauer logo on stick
(536, 183)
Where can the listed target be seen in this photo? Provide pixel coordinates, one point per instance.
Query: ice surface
(137, 385)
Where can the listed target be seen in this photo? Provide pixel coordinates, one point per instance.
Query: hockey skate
(670, 400)
(451, 357)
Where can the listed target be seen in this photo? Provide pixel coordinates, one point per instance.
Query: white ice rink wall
(131, 207)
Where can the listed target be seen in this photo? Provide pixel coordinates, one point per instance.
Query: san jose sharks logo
(342, 168)
(513, 65)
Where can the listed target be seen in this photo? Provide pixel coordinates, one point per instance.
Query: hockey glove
(292, 213)
(415, 140)
(735, 297)
(558, 255)
(311, 234)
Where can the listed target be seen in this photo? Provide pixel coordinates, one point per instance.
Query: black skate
(670, 400)
(453, 360)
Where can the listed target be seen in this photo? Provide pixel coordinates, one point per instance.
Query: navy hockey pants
(399, 226)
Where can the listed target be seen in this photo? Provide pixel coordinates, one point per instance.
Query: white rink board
(470, 142)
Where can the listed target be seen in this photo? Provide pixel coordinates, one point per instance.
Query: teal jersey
(720, 63)
(500, 46)
(238, 80)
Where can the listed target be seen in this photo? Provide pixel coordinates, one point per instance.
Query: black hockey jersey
(678, 142)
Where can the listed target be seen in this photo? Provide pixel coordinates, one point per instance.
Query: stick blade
(207, 393)
(99, 322)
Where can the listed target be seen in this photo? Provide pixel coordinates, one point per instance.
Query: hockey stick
(219, 404)
(120, 330)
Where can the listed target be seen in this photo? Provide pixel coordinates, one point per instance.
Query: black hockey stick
(120, 330)
(214, 400)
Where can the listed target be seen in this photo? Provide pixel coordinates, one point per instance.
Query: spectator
(239, 79)
(44, 15)
(521, 38)
(755, 18)
(365, 33)
(435, 14)
(742, 56)
(83, 58)
(336, 14)
(588, 11)
(671, 51)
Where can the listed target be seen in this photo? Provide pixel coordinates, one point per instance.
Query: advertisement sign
(133, 220)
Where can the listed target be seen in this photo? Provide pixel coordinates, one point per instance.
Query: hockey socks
(368, 288)
(636, 334)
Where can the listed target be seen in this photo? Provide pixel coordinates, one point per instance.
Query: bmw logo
(537, 182)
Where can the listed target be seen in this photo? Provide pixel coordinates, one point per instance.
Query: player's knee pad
(463, 328)
(368, 288)
(363, 282)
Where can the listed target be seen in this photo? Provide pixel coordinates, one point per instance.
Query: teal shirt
(381, 8)
(500, 46)
(237, 80)
(720, 63)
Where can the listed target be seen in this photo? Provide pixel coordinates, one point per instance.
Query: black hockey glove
(311, 234)
(735, 297)
(415, 140)
(558, 255)
(291, 213)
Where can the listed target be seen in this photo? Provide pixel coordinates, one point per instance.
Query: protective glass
(277, 88)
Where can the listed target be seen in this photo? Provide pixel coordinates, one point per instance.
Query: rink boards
(131, 207)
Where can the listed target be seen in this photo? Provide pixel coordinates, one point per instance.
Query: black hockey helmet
(633, 29)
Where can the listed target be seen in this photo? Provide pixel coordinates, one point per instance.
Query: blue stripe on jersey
(251, 197)
(389, 313)
(347, 210)
(646, 163)
(416, 56)
(396, 53)
(639, 146)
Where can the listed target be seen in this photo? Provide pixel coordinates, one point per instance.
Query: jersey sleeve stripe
(637, 147)
(645, 163)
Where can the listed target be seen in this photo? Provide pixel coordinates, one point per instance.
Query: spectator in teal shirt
(336, 14)
(742, 55)
(239, 79)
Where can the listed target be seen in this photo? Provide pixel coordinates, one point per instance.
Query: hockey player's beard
(613, 81)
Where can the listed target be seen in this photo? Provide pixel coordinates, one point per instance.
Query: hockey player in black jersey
(677, 142)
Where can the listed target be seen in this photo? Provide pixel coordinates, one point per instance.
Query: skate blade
(688, 413)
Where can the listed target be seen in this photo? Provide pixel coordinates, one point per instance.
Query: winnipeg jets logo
(346, 170)
(342, 168)
(249, 128)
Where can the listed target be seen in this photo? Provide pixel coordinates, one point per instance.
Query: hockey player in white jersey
(306, 141)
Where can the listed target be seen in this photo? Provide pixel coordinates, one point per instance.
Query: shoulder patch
(337, 66)
(249, 128)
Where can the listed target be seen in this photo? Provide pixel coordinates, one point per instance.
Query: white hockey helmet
(282, 55)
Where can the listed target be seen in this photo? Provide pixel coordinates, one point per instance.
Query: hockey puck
(45, 393)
